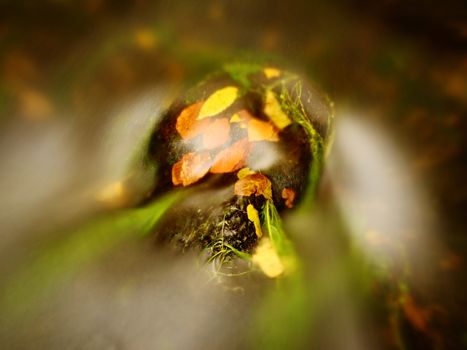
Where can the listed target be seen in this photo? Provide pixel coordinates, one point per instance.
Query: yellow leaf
(235, 118)
(242, 117)
(253, 216)
(245, 172)
(273, 110)
(270, 72)
(219, 101)
(267, 260)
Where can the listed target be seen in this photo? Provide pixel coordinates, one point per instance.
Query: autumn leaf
(231, 158)
(259, 130)
(289, 196)
(235, 118)
(190, 168)
(219, 101)
(216, 133)
(273, 110)
(187, 124)
(266, 258)
(242, 117)
(256, 184)
(270, 72)
(244, 172)
(253, 216)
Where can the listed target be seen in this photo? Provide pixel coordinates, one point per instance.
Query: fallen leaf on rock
(256, 184)
(235, 118)
(244, 172)
(259, 130)
(231, 158)
(190, 168)
(289, 197)
(242, 117)
(216, 133)
(218, 101)
(273, 110)
(253, 216)
(187, 124)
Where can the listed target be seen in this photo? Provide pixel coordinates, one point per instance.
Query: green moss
(293, 106)
(240, 72)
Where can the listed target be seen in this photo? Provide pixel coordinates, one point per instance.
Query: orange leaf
(187, 125)
(256, 184)
(289, 196)
(259, 130)
(190, 168)
(231, 158)
(216, 133)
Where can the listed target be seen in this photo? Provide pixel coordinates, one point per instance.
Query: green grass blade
(37, 278)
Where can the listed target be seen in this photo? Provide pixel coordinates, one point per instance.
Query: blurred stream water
(82, 86)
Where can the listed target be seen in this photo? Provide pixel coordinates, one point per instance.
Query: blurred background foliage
(82, 85)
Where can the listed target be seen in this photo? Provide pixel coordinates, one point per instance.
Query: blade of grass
(57, 262)
(273, 226)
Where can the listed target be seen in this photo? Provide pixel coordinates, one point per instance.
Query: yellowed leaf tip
(218, 101)
(273, 110)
